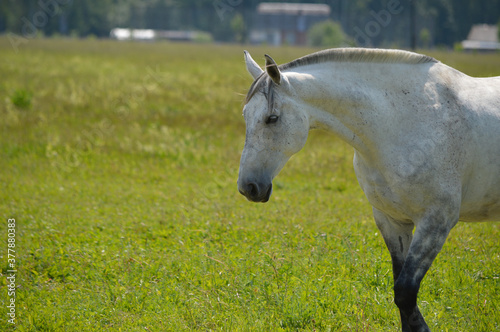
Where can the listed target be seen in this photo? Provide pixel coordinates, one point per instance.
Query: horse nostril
(249, 190)
(252, 190)
(255, 191)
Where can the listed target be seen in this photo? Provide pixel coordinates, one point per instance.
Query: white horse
(426, 140)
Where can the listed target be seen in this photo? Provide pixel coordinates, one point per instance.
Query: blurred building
(482, 37)
(150, 35)
(286, 23)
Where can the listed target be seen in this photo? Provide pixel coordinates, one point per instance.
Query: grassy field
(119, 164)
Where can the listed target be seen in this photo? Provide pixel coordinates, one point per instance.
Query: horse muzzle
(256, 192)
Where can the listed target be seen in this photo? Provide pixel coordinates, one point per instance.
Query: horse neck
(354, 100)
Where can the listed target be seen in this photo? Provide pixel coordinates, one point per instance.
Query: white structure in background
(277, 23)
(149, 34)
(482, 37)
(134, 34)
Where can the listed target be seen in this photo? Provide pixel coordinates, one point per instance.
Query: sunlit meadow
(119, 164)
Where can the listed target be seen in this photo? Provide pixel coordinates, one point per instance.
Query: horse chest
(384, 193)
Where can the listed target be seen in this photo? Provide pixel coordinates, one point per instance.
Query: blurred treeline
(437, 22)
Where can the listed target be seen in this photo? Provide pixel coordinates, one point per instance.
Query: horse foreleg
(428, 239)
(398, 237)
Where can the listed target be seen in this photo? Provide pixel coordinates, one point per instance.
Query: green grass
(119, 163)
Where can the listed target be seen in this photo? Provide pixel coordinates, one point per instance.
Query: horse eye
(271, 119)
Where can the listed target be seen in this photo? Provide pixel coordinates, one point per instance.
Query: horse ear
(273, 70)
(252, 66)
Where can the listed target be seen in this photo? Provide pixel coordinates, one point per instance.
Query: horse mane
(340, 55)
(359, 55)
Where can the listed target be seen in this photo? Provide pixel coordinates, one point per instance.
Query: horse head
(276, 128)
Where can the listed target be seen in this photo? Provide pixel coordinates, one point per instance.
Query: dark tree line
(437, 22)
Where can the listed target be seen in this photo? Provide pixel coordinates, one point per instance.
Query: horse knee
(405, 294)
